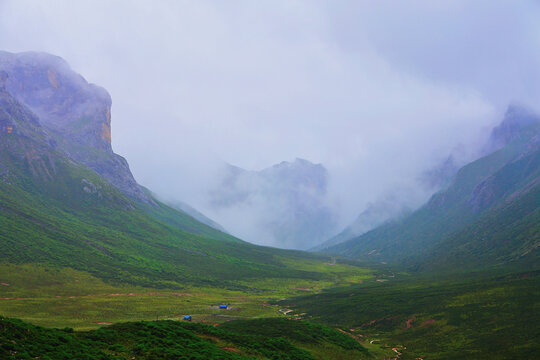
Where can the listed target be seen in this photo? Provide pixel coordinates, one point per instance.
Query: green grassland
(57, 224)
(77, 253)
(475, 316)
(261, 339)
(488, 216)
(65, 253)
(59, 297)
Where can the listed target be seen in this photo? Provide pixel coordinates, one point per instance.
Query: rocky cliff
(75, 114)
(22, 138)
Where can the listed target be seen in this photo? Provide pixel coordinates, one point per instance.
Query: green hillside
(58, 223)
(183, 221)
(473, 316)
(508, 235)
(82, 245)
(58, 212)
(477, 202)
(295, 340)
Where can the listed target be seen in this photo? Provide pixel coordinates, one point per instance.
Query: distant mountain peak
(301, 162)
(286, 203)
(516, 119)
(489, 214)
(297, 163)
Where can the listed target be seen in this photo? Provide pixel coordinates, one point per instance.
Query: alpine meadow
(301, 180)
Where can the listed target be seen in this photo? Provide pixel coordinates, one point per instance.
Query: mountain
(76, 118)
(284, 205)
(77, 114)
(480, 315)
(394, 206)
(374, 215)
(441, 175)
(197, 215)
(488, 215)
(516, 119)
(63, 206)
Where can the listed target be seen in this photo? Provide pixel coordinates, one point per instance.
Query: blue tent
(187, 317)
(223, 306)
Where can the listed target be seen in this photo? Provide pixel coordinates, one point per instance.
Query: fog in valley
(284, 120)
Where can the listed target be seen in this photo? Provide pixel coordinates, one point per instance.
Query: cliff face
(75, 114)
(22, 139)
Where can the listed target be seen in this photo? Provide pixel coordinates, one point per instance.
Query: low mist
(380, 94)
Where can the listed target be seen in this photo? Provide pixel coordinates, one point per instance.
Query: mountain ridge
(287, 203)
(77, 114)
(480, 188)
(57, 210)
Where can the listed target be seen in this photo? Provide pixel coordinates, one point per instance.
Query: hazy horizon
(378, 93)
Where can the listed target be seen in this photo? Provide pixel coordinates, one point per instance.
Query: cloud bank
(377, 92)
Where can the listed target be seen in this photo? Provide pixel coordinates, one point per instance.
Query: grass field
(475, 316)
(65, 297)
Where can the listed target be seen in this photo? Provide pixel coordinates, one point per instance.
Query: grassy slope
(176, 340)
(183, 221)
(508, 236)
(74, 251)
(446, 212)
(60, 213)
(74, 258)
(64, 252)
(473, 316)
(56, 222)
(449, 211)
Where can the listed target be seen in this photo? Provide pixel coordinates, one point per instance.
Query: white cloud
(376, 92)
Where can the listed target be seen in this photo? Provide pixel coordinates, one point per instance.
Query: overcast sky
(376, 91)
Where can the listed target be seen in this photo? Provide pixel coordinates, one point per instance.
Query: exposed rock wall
(75, 113)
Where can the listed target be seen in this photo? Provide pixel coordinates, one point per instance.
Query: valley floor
(65, 297)
(391, 314)
(484, 315)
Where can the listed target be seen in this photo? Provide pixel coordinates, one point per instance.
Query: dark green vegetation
(63, 214)
(77, 250)
(82, 245)
(260, 339)
(489, 215)
(478, 316)
(473, 252)
(56, 223)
